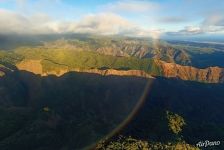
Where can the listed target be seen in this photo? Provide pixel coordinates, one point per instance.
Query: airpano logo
(208, 143)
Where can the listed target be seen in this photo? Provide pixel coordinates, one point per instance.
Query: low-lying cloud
(188, 30)
(212, 24)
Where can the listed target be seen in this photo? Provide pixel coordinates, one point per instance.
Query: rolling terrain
(199, 55)
(57, 61)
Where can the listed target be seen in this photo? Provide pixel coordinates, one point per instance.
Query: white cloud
(188, 30)
(214, 20)
(12, 22)
(110, 24)
(212, 24)
(192, 30)
(104, 24)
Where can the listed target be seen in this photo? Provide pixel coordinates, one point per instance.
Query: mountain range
(74, 91)
(62, 56)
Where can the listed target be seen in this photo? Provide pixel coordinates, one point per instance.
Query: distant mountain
(140, 48)
(200, 55)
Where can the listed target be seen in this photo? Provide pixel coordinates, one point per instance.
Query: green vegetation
(46, 109)
(10, 57)
(176, 122)
(129, 143)
(54, 59)
(181, 52)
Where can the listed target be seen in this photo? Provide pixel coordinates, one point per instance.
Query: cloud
(188, 30)
(214, 20)
(198, 30)
(172, 19)
(131, 6)
(212, 24)
(12, 22)
(192, 30)
(110, 24)
(104, 24)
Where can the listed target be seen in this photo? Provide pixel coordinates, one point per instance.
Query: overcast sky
(153, 18)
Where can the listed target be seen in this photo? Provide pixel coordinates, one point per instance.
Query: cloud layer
(116, 17)
(104, 24)
(212, 24)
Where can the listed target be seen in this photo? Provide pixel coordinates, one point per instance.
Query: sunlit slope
(53, 59)
(200, 55)
(57, 61)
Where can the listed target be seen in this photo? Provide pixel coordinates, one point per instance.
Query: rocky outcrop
(107, 72)
(209, 75)
(36, 67)
(33, 66)
(58, 73)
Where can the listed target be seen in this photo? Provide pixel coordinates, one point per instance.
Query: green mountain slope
(44, 61)
(86, 60)
(195, 54)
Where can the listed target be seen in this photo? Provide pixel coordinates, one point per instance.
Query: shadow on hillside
(200, 104)
(71, 112)
(78, 109)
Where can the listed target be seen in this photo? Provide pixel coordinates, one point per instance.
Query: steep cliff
(169, 70)
(209, 75)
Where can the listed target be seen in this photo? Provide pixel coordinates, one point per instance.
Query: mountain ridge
(169, 70)
(210, 74)
(35, 67)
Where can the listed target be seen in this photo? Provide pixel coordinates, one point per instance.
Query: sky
(140, 18)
